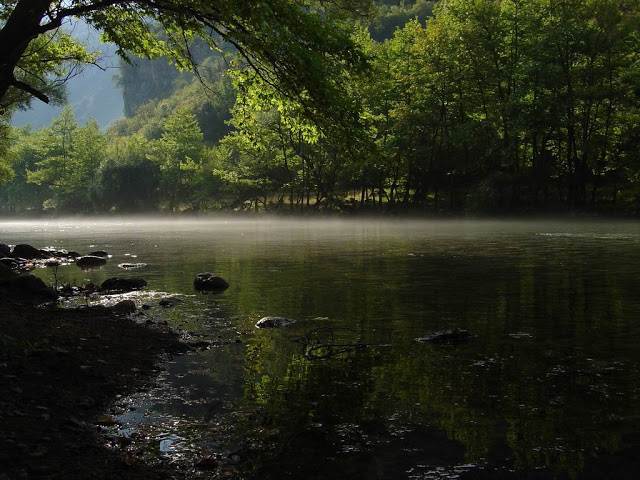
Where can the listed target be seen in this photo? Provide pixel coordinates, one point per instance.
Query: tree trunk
(22, 26)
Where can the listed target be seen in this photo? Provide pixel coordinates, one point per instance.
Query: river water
(548, 387)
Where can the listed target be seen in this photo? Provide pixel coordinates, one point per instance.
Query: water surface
(547, 388)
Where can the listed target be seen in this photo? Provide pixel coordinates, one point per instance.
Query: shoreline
(332, 217)
(60, 370)
(315, 214)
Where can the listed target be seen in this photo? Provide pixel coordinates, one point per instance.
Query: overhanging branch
(30, 90)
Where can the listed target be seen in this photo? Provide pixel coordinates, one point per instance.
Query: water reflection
(548, 384)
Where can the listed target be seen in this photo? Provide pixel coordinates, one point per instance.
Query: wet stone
(122, 285)
(132, 266)
(124, 307)
(208, 282)
(90, 261)
(27, 251)
(274, 322)
(169, 302)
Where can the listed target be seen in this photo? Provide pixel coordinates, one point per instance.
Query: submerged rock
(209, 282)
(90, 261)
(99, 253)
(169, 302)
(274, 322)
(122, 285)
(452, 336)
(5, 251)
(27, 251)
(25, 288)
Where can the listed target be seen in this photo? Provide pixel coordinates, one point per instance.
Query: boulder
(452, 336)
(274, 322)
(25, 289)
(27, 251)
(122, 285)
(90, 261)
(209, 282)
(99, 253)
(5, 251)
(124, 307)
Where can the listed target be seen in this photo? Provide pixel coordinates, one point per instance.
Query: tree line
(493, 106)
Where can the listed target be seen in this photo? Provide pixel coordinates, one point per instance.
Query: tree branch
(29, 89)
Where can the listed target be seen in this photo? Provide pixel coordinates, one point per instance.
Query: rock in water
(122, 285)
(169, 302)
(53, 252)
(25, 288)
(452, 336)
(90, 261)
(99, 253)
(5, 251)
(27, 251)
(132, 266)
(274, 322)
(124, 307)
(210, 283)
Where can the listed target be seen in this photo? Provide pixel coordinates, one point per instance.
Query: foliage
(293, 44)
(48, 62)
(68, 156)
(489, 106)
(178, 153)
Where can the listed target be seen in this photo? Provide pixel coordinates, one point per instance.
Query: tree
(6, 172)
(293, 44)
(178, 153)
(128, 180)
(69, 157)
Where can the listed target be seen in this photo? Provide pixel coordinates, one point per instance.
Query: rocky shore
(61, 369)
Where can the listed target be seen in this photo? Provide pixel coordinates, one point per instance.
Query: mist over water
(549, 381)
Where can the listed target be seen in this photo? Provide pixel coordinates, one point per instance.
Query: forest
(455, 106)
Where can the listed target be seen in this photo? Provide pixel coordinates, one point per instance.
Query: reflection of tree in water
(542, 401)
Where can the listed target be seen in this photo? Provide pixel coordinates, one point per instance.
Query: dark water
(547, 388)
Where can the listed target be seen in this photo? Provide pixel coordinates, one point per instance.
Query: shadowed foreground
(59, 370)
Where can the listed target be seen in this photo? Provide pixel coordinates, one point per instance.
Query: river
(548, 385)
